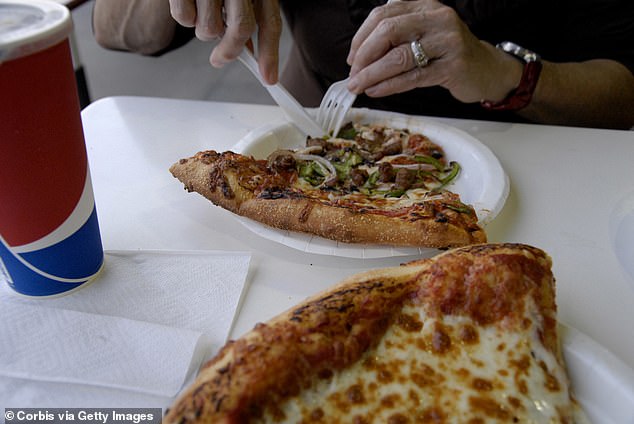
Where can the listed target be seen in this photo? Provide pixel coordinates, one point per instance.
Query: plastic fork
(334, 107)
(336, 103)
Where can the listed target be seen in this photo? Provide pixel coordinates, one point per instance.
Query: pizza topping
(418, 143)
(359, 176)
(376, 161)
(392, 147)
(404, 179)
(410, 173)
(385, 172)
(281, 160)
(318, 163)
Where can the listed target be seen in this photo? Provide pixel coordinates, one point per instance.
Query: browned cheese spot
(489, 407)
(355, 394)
(316, 414)
(468, 335)
(391, 401)
(551, 384)
(482, 385)
(397, 418)
(409, 323)
(432, 415)
(441, 342)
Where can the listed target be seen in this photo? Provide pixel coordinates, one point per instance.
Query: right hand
(242, 18)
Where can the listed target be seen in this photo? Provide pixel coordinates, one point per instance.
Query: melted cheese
(444, 370)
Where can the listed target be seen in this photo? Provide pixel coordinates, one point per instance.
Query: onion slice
(320, 160)
(414, 166)
(309, 150)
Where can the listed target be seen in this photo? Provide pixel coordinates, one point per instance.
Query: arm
(140, 26)
(597, 93)
(592, 93)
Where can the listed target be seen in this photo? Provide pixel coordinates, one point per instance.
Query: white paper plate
(602, 383)
(482, 181)
(621, 226)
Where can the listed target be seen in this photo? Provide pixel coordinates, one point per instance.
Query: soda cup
(49, 233)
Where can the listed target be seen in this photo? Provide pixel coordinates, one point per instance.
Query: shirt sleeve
(599, 29)
(560, 31)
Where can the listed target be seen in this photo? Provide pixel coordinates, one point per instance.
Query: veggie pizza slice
(371, 184)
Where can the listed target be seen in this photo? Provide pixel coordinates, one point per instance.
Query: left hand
(382, 62)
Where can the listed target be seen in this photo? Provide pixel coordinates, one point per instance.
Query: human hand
(382, 62)
(234, 22)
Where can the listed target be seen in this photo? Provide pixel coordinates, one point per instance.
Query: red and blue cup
(49, 233)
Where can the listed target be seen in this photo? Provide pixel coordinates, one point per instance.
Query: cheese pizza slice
(469, 336)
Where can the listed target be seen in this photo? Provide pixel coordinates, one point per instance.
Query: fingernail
(215, 62)
(353, 85)
(271, 77)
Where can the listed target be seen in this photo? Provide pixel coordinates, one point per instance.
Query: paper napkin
(143, 326)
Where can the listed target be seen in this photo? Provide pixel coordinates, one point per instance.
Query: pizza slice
(468, 336)
(373, 185)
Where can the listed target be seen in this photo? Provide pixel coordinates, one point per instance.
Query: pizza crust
(313, 217)
(494, 287)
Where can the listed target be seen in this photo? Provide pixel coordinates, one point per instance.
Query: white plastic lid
(29, 26)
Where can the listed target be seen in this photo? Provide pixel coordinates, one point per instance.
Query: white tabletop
(570, 190)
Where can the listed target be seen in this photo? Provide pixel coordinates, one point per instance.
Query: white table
(567, 184)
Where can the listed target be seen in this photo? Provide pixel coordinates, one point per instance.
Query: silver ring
(420, 57)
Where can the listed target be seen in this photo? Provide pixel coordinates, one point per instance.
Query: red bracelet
(520, 96)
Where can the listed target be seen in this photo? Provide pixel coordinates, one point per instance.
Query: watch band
(520, 96)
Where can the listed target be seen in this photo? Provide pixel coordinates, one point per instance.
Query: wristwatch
(520, 96)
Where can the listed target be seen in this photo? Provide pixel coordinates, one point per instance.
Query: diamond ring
(420, 57)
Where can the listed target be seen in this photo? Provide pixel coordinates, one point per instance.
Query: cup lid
(29, 26)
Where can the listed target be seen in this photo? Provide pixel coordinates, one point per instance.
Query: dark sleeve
(559, 30)
(595, 29)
